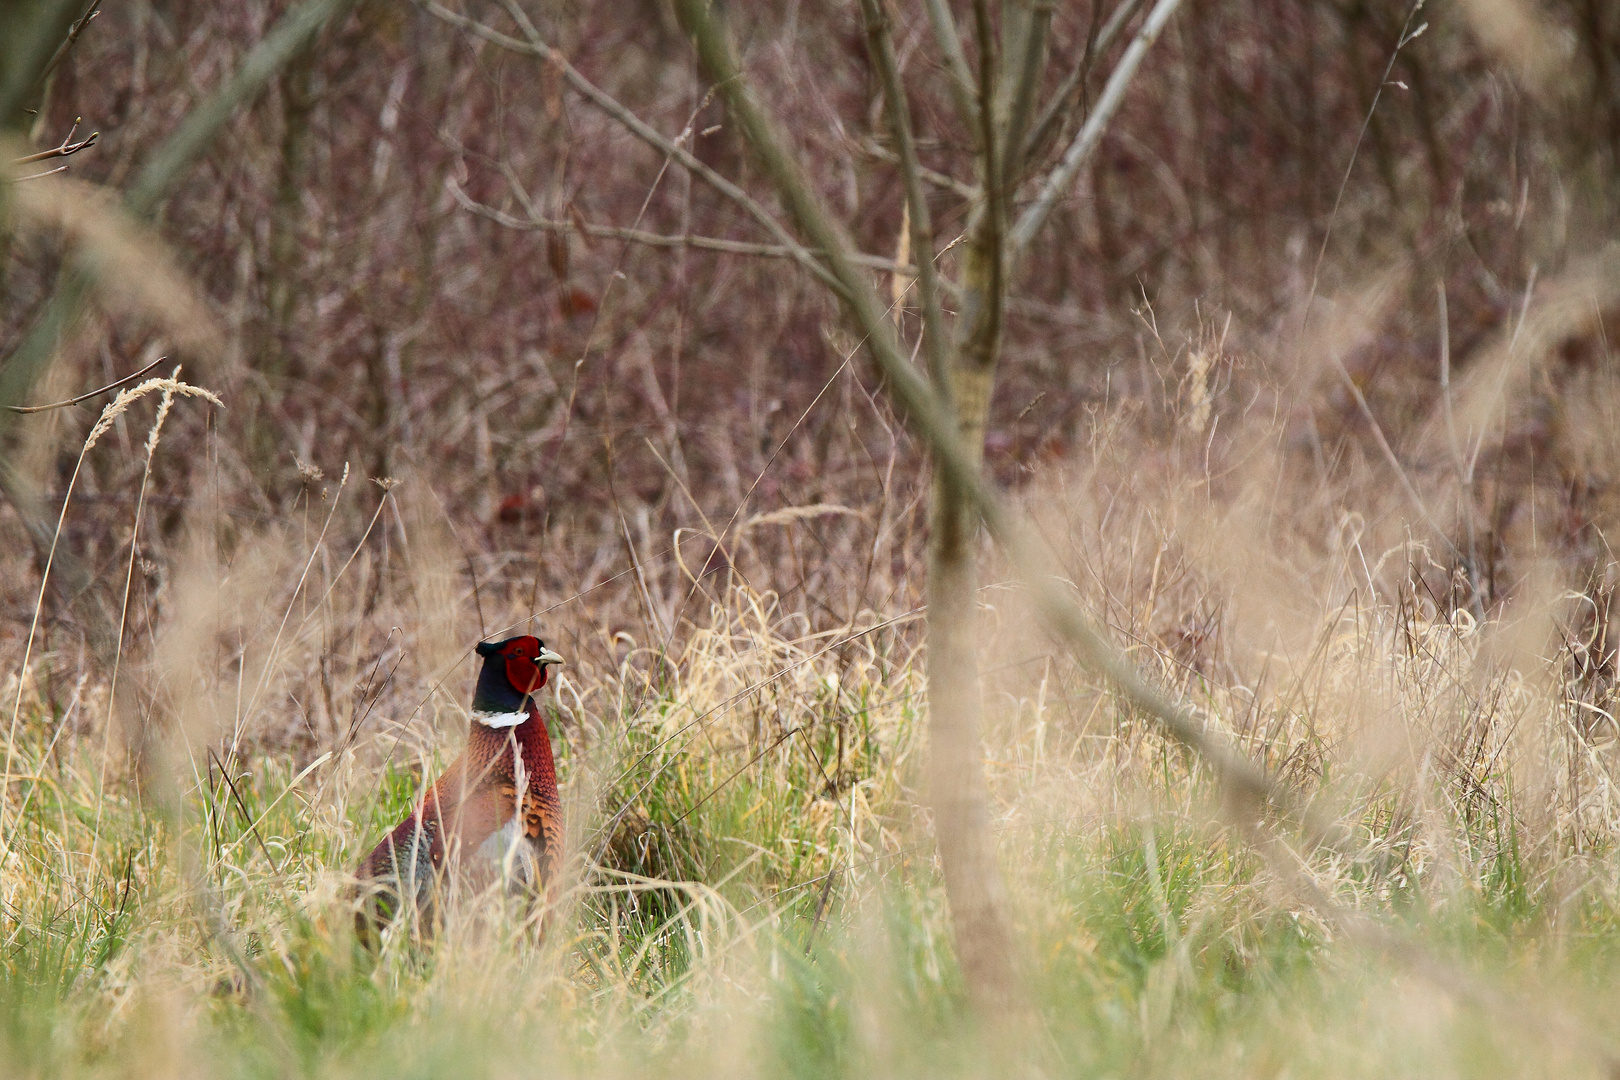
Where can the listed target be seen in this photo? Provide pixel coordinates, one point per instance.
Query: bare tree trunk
(957, 783)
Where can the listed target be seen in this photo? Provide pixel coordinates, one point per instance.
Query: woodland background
(1239, 393)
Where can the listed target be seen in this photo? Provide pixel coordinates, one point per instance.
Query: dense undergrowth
(752, 889)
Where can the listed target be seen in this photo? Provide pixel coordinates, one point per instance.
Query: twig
(821, 908)
(126, 380)
(970, 192)
(1394, 462)
(67, 147)
(1407, 36)
(690, 810)
(536, 46)
(1091, 132)
(650, 239)
(68, 43)
(247, 818)
(39, 175)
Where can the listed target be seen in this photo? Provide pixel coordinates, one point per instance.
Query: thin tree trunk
(957, 784)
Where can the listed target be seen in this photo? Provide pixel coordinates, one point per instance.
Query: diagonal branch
(289, 37)
(957, 73)
(1091, 132)
(533, 222)
(1045, 128)
(72, 401)
(68, 42)
(873, 149)
(166, 165)
(33, 36)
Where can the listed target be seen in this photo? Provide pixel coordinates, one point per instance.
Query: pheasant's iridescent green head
(513, 669)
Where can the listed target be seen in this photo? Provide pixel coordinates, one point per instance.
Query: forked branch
(1046, 126)
(897, 107)
(63, 149)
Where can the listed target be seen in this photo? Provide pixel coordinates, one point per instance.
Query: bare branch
(67, 147)
(71, 40)
(536, 46)
(936, 337)
(1091, 132)
(1045, 128)
(126, 380)
(873, 149)
(957, 72)
(534, 223)
(39, 175)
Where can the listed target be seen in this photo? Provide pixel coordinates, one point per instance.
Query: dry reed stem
(110, 413)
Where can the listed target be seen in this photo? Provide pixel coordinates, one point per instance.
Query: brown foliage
(559, 402)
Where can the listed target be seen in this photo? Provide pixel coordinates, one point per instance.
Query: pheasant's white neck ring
(500, 719)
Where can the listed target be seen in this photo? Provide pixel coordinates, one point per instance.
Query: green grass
(753, 893)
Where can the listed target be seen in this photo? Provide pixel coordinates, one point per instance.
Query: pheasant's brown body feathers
(494, 814)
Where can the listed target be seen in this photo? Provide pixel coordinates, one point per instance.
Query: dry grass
(751, 885)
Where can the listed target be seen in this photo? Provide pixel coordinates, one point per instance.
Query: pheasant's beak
(547, 657)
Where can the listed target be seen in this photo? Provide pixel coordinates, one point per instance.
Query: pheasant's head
(513, 669)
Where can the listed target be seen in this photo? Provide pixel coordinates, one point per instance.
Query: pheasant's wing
(415, 845)
(401, 869)
(471, 811)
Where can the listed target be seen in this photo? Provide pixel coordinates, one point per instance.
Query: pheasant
(494, 814)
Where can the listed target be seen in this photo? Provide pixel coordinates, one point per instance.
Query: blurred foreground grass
(753, 894)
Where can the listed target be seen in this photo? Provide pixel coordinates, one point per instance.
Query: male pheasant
(493, 815)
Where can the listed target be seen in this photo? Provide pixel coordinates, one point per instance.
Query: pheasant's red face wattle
(526, 661)
(522, 672)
